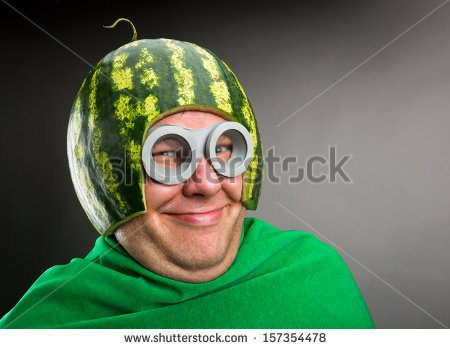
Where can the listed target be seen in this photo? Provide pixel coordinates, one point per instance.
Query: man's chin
(200, 263)
(194, 247)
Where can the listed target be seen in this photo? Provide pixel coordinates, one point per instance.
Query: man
(191, 231)
(152, 145)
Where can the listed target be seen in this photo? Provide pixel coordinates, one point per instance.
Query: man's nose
(204, 181)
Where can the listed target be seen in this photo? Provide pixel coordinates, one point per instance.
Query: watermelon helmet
(129, 90)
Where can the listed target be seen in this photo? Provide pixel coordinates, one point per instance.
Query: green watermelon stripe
(183, 75)
(203, 95)
(166, 73)
(81, 174)
(218, 86)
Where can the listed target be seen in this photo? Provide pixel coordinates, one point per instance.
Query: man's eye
(164, 153)
(223, 148)
(169, 158)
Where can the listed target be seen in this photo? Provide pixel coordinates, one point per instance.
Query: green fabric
(279, 279)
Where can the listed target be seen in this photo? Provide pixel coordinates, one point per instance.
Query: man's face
(191, 231)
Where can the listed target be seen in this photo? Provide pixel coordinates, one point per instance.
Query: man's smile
(199, 216)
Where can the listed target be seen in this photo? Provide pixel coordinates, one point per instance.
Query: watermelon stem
(134, 38)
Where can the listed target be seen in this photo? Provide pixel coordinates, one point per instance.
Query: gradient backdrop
(392, 114)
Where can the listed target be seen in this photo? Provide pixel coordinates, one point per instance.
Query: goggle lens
(170, 153)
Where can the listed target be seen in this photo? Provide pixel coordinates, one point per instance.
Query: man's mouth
(199, 217)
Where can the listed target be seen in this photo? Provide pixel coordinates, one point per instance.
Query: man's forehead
(191, 119)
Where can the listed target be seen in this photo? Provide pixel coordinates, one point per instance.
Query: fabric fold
(279, 279)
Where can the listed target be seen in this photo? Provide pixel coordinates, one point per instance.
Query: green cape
(279, 279)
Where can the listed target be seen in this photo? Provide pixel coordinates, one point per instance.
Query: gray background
(391, 115)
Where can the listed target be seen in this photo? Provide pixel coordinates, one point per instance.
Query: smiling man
(165, 156)
(191, 230)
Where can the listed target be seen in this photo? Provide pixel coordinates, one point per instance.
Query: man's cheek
(233, 187)
(156, 194)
